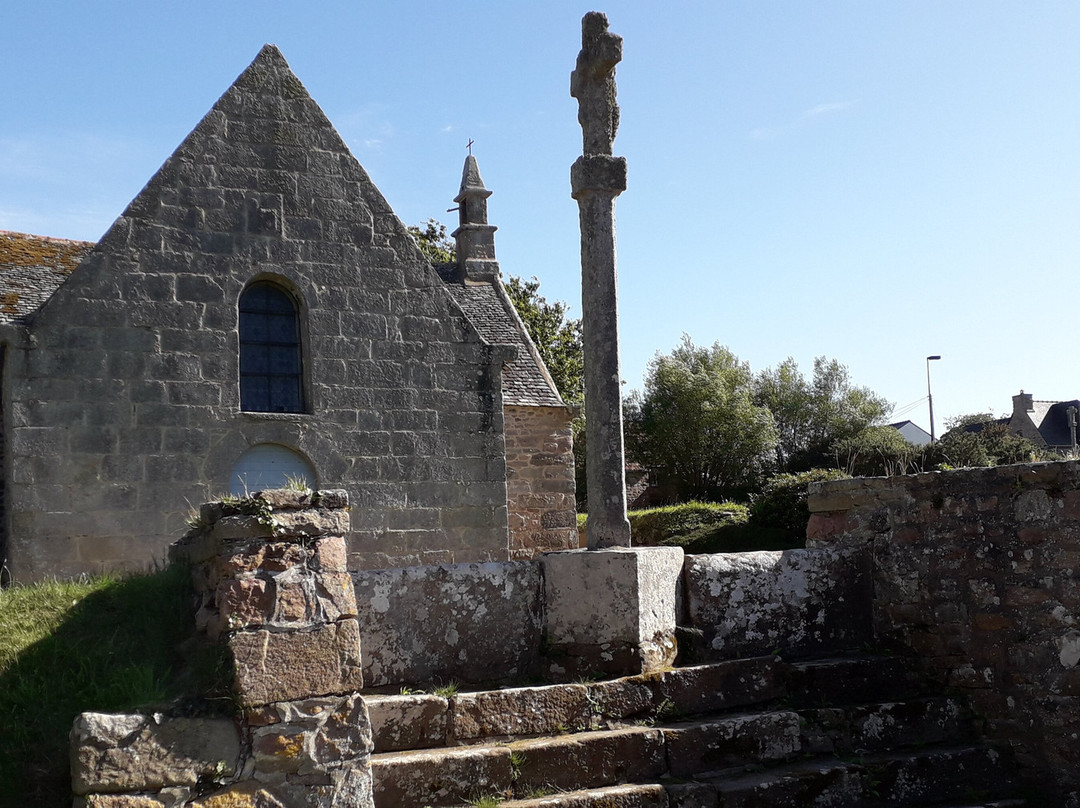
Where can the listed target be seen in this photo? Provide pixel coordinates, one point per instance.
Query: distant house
(912, 432)
(1047, 424)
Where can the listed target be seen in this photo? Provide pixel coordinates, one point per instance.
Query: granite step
(423, 721)
(865, 729)
(895, 780)
(731, 741)
(738, 734)
(622, 796)
(851, 680)
(582, 760)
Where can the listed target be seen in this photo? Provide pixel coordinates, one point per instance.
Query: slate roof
(1054, 423)
(31, 269)
(525, 381)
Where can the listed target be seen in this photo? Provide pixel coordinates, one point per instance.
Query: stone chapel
(259, 314)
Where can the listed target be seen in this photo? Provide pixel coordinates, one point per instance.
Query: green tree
(812, 414)
(877, 451)
(697, 425)
(556, 336)
(434, 243)
(981, 440)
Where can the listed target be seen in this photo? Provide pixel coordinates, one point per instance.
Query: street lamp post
(929, 396)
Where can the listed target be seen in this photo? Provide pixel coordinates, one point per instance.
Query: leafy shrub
(706, 527)
(782, 503)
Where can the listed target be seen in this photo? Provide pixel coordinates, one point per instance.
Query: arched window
(270, 367)
(269, 465)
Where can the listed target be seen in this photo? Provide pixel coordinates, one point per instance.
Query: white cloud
(772, 133)
(822, 109)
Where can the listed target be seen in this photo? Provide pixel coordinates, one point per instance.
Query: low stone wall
(270, 572)
(793, 602)
(460, 622)
(976, 572)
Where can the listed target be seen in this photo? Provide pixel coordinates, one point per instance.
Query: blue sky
(873, 182)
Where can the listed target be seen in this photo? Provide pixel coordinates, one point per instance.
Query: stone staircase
(747, 733)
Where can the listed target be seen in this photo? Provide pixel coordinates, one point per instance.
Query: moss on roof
(32, 268)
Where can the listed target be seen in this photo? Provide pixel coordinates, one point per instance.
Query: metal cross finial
(469, 145)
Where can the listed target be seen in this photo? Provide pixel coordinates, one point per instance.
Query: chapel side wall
(124, 405)
(540, 480)
(975, 572)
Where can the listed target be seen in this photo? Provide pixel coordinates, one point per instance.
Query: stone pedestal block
(611, 611)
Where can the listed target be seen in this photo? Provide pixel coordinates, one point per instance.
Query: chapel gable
(259, 292)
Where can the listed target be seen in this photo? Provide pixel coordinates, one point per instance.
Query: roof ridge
(55, 239)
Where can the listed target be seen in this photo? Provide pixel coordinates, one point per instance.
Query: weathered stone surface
(797, 601)
(973, 572)
(620, 698)
(466, 622)
(627, 796)
(721, 686)
(130, 752)
(793, 787)
(519, 711)
(150, 800)
(857, 680)
(591, 759)
(596, 179)
(128, 389)
(408, 722)
(343, 738)
(273, 666)
(249, 794)
(736, 741)
(331, 554)
(442, 777)
(872, 728)
(306, 524)
(288, 499)
(540, 480)
(245, 602)
(611, 600)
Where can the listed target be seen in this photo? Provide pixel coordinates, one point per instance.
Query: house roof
(1054, 423)
(31, 269)
(525, 380)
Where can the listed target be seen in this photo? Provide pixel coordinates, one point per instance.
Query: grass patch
(680, 524)
(706, 527)
(102, 644)
(775, 520)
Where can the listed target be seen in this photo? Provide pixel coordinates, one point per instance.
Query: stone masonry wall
(540, 480)
(421, 626)
(270, 571)
(976, 572)
(124, 402)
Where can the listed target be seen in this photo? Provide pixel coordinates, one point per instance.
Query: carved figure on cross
(593, 84)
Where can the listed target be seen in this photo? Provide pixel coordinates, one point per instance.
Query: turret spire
(474, 236)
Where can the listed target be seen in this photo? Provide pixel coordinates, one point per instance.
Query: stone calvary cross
(596, 178)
